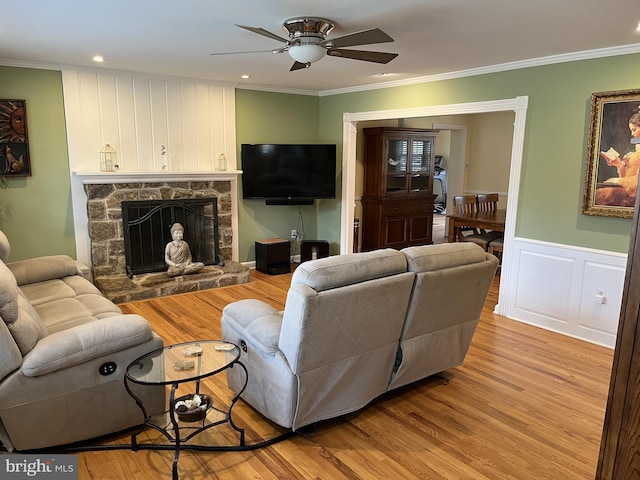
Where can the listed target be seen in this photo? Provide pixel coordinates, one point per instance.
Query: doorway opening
(518, 105)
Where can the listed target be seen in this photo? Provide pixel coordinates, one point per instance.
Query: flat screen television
(287, 174)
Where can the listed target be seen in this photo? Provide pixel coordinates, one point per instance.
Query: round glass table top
(183, 362)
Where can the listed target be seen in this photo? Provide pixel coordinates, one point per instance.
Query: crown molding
(272, 89)
(5, 62)
(502, 67)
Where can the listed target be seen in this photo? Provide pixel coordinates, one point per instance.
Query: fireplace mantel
(79, 199)
(130, 177)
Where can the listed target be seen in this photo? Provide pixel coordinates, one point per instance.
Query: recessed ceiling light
(98, 58)
(245, 76)
(382, 74)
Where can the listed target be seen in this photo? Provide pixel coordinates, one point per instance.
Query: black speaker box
(273, 256)
(312, 249)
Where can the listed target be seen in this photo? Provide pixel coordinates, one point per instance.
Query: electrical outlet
(294, 233)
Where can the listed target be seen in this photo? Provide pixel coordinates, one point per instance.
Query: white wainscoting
(556, 286)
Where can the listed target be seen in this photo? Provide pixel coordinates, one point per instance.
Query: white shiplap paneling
(137, 114)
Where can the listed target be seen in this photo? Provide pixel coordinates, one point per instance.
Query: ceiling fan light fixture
(307, 53)
(308, 43)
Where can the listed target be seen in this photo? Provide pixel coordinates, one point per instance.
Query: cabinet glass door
(420, 165)
(398, 156)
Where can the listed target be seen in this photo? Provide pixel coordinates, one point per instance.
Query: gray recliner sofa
(63, 352)
(356, 326)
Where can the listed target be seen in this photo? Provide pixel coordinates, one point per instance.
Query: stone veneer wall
(104, 210)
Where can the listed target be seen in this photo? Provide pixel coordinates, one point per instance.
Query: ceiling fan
(308, 43)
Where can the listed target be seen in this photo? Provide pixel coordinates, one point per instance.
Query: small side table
(162, 367)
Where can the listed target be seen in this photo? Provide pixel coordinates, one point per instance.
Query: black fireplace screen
(147, 223)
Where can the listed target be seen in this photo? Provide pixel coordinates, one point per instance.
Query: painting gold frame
(613, 155)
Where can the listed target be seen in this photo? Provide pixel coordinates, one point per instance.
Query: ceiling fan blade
(298, 66)
(263, 32)
(366, 56)
(277, 50)
(366, 37)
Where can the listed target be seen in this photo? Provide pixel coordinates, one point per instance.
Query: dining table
(486, 220)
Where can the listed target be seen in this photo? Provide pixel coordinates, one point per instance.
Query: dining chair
(464, 205)
(488, 202)
(468, 204)
(496, 248)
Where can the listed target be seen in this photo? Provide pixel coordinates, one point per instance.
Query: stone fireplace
(106, 233)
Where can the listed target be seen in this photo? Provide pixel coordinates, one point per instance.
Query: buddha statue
(177, 254)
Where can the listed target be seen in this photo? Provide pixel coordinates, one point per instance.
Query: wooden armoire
(398, 194)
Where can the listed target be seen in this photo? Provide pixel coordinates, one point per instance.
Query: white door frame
(518, 105)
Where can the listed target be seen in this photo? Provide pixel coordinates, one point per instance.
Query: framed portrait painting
(613, 154)
(14, 140)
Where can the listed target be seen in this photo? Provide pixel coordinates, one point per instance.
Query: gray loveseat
(356, 326)
(63, 351)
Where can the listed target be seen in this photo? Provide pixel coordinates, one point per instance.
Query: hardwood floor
(438, 232)
(527, 404)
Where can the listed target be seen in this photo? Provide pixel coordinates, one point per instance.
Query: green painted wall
(42, 222)
(555, 138)
(263, 117)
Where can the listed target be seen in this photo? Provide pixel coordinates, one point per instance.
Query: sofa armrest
(83, 270)
(256, 321)
(85, 342)
(41, 269)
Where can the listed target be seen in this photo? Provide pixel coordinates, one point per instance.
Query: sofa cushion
(28, 328)
(8, 295)
(341, 270)
(429, 258)
(10, 356)
(56, 289)
(66, 302)
(256, 322)
(5, 247)
(86, 342)
(21, 319)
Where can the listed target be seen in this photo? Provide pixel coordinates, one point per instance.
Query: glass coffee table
(175, 365)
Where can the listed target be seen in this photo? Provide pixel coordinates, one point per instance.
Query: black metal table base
(176, 442)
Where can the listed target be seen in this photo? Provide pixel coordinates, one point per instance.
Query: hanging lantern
(108, 161)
